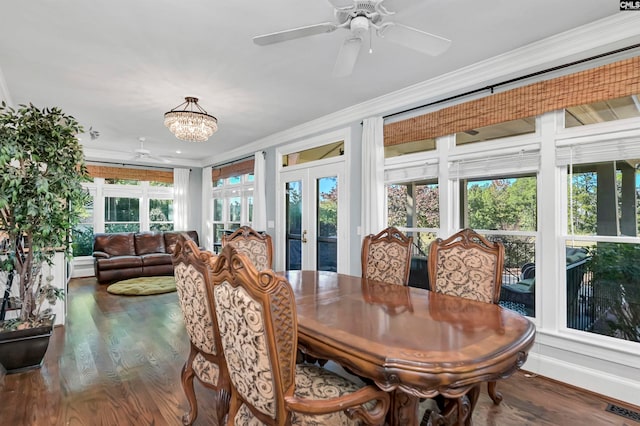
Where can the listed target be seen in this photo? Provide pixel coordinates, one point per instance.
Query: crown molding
(607, 34)
(118, 157)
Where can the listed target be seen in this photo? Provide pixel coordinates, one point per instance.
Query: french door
(314, 223)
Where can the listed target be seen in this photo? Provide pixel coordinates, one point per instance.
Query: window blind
(494, 163)
(128, 173)
(609, 81)
(235, 169)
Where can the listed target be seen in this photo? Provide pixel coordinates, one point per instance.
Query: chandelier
(189, 122)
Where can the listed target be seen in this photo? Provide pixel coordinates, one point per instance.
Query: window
(603, 254)
(123, 205)
(599, 112)
(117, 181)
(405, 148)
(495, 131)
(413, 207)
(160, 215)
(121, 214)
(504, 209)
(232, 204)
(312, 154)
(82, 233)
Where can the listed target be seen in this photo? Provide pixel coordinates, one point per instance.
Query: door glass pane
(327, 231)
(294, 225)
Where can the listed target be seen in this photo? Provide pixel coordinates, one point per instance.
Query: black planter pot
(22, 350)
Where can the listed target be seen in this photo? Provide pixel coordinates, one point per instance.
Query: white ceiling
(119, 65)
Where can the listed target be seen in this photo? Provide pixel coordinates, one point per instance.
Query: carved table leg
(472, 399)
(403, 410)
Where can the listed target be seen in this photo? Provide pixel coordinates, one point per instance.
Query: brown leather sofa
(122, 255)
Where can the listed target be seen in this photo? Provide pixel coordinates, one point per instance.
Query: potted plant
(41, 199)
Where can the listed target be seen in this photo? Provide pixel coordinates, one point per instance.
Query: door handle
(304, 236)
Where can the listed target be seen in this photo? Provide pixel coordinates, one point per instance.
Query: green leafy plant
(41, 199)
(616, 268)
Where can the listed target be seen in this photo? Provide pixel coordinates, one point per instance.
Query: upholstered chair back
(387, 256)
(466, 265)
(258, 329)
(255, 245)
(192, 269)
(470, 266)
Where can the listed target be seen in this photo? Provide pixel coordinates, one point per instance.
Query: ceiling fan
(360, 16)
(144, 154)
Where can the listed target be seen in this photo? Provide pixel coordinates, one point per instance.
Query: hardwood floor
(118, 359)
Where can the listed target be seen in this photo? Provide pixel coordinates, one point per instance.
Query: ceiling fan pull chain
(370, 40)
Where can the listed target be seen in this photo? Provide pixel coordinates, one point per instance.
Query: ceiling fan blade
(286, 35)
(415, 39)
(342, 4)
(347, 57)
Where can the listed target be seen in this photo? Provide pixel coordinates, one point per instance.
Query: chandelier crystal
(190, 122)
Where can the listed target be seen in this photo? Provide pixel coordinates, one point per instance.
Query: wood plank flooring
(118, 359)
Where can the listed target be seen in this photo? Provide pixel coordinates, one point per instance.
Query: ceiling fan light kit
(360, 16)
(190, 122)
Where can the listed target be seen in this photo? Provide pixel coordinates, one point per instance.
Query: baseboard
(80, 271)
(612, 386)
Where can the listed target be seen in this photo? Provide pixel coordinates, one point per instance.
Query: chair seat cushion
(312, 382)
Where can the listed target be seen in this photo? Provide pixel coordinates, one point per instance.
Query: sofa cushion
(149, 242)
(156, 259)
(116, 244)
(119, 262)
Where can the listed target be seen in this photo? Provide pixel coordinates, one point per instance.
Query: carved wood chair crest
(258, 247)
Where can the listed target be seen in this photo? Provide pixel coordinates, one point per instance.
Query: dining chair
(255, 245)
(259, 331)
(205, 361)
(386, 256)
(470, 266)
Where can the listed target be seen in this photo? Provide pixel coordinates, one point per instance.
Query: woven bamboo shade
(235, 169)
(130, 174)
(597, 84)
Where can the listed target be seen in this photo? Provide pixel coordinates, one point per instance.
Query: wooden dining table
(411, 342)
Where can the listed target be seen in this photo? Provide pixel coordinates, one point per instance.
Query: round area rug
(143, 286)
